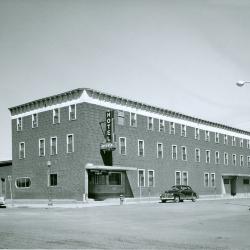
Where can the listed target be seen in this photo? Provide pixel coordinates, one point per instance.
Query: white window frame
(215, 157)
(233, 141)
(135, 118)
(161, 123)
(175, 152)
(175, 177)
(19, 124)
(217, 137)
(197, 133)
(151, 170)
(248, 161)
(59, 115)
(184, 147)
(199, 155)
(208, 179)
(183, 130)
(207, 135)
(125, 145)
(25, 177)
(150, 121)
(248, 144)
(138, 178)
(225, 139)
(73, 143)
(212, 177)
(234, 155)
(70, 110)
(121, 114)
(241, 143)
(225, 158)
(39, 147)
(209, 154)
(52, 137)
(171, 128)
(157, 153)
(56, 180)
(24, 153)
(33, 119)
(242, 160)
(182, 177)
(139, 148)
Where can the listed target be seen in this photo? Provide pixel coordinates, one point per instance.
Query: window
(184, 178)
(248, 161)
(246, 181)
(177, 177)
(234, 159)
(56, 116)
(41, 147)
(217, 137)
(159, 150)
(241, 143)
(241, 160)
(207, 136)
(133, 120)
(225, 139)
(197, 134)
(184, 153)
(140, 148)
(248, 143)
(70, 143)
(206, 179)
(150, 123)
(151, 178)
(172, 128)
(217, 157)
(212, 179)
(161, 126)
(141, 177)
(183, 130)
(53, 145)
(34, 120)
(23, 182)
(226, 158)
(21, 150)
(174, 152)
(122, 145)
(72, 112)
(52, 180)
(226, 181)
(208, 156)
(121, 117)
(115, 179)
(233, 141)
(197, 155)
(19, 124)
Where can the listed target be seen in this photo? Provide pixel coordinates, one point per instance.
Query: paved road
(223, 224)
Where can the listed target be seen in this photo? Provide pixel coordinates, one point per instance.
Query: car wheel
(163, 201)
(193, 198)
(176, 199)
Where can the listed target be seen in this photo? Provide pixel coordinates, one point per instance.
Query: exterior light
(241, 83)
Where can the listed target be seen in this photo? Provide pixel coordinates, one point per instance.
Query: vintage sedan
(2, 202)
(179, 193)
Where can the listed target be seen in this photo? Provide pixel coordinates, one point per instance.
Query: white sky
(181, 55)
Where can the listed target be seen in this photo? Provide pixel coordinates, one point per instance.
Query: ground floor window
(246, 181)
(181, 178)
(115, 179)
(141, 177)
(177, 178)
(23, 182)
(53, 180)
(226, 181)
(206, 179)
(213, 180)
(151, 178)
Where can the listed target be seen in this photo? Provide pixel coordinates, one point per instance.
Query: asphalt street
(219, 224)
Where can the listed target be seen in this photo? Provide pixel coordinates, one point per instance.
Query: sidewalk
(57, 203)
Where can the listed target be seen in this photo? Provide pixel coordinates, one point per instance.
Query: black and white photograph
(125, 124)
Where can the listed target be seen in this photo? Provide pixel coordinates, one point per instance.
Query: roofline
(141, 105)
(5, 163)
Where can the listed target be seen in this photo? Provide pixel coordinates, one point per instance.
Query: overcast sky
(181, 55)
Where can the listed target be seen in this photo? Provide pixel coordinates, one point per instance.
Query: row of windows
(172, 130)
(53, 146)
(55, 117)
(184, 156)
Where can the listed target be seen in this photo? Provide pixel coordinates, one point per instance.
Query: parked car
(179, 193)
(2, 202)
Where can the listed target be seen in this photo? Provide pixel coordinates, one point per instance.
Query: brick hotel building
(63, 144)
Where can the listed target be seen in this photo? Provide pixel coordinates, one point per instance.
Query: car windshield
(175, 188)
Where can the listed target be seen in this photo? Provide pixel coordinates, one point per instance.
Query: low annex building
(85, 142)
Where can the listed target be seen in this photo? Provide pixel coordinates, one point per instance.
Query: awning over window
(238, 175)
(111, 168)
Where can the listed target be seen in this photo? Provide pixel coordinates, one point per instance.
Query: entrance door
(233, 186)
(227, 185)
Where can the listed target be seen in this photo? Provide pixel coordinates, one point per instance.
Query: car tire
(163, 201)
(176, 199)
(194, 198)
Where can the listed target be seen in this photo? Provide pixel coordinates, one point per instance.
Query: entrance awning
(111, 168)
(238, 175)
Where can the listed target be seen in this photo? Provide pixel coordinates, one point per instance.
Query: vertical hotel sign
(109, 126)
